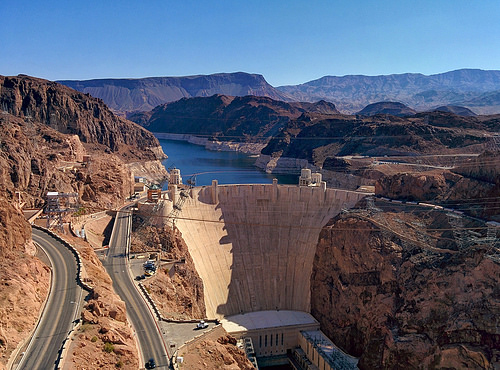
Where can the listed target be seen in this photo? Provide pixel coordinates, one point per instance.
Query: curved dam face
(253, 245)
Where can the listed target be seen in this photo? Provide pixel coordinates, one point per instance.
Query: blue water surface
(207, 165)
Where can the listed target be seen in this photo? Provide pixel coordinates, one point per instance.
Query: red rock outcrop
(71, 112)
(473, 187)
(214, 350)
(178, 289)
(24, 280)
(35, 159)
(391, 289)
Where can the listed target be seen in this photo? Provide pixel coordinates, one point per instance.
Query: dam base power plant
(253, 246)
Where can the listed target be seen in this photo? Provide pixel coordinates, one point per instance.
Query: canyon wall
(395, 289)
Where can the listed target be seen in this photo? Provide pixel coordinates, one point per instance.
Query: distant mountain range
(477, 90)
(144, 94)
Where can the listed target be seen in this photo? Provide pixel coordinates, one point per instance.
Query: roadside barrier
(75, 252)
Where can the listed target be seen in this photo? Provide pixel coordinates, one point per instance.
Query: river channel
(226, 167)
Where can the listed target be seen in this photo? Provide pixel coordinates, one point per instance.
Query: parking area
(176, 334)
(137, 263)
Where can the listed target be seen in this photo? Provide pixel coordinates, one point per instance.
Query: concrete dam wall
(253, 245)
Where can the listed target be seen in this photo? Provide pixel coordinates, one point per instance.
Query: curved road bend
(148, 335)
(60, 310)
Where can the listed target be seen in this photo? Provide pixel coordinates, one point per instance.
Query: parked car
(201, 325)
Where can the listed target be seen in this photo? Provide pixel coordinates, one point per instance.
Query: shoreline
(215, 145)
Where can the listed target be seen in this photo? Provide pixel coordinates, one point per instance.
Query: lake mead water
(226, 167)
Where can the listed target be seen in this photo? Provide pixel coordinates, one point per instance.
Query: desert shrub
(109, 347)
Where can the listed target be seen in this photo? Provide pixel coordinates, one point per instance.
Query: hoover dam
(254, 245)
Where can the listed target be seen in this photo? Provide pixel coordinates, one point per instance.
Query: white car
(201, 325)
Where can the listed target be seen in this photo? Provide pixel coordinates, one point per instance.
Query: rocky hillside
(144, 94)
(394, 108)
(247, 118)
(176, 290)
(71, 112)
(35, 159)
(315, 137)
(47, 129)
(471, 88)
(472, 187)
(398, 290)
(24, 280)
(455, 109)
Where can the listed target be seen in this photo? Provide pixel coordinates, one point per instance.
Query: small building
(175, 177)
(272, 332)
(139, 179)
(154, 193)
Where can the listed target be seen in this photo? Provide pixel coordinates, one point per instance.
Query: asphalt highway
(62, 307)
(148, 332)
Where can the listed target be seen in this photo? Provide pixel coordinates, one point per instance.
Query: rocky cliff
(396, 289)
(247, 118)
(472, 187)
(176, 289)
(48, 129)
(72, 112)
(315, 137)
(24, 280)
(143, 94)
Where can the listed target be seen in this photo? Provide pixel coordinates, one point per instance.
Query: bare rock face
(72, 112)
(474, 187)
(394, 108)
(390, 289)
(178, 289)
(214, 350)
(35, 159)
(24, 280)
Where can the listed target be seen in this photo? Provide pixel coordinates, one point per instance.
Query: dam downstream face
(254, 245)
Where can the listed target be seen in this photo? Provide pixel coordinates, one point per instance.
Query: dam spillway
(254, 245)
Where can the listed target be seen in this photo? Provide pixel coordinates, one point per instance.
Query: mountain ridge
(144, 94)
(351, 93)
(472, 88)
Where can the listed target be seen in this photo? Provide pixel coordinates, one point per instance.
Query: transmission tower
(58, 205)
(461, 236)
(492, 239)
(177, 208)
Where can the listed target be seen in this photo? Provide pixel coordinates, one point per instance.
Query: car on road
(201, 325)
(151, 364)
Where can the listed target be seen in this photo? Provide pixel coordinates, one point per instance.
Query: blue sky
(289, 42)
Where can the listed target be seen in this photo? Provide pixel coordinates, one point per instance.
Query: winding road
(62, 307)
(116, 263)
